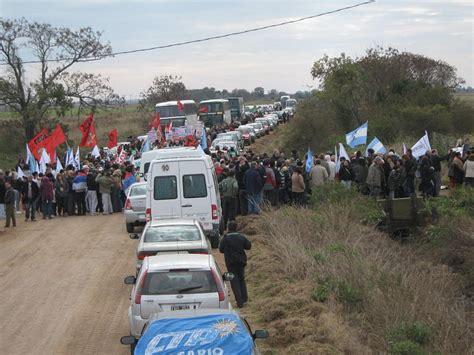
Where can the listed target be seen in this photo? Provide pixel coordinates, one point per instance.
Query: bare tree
(164, 88)
(55, 51)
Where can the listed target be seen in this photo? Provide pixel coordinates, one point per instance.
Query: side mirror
(130, 280)
(228, 276)
(127, 340)
(134, 236)
(261, 334)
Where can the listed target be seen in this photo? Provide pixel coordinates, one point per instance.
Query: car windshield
(179, 281)
(138, 190)
(185, 233)
(244, 130)
(226, 136)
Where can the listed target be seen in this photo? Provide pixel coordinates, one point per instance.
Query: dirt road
(62, 288)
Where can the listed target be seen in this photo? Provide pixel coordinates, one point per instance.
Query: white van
(182, 183)
(145, 161)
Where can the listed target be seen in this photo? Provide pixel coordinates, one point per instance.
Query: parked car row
(178, 290)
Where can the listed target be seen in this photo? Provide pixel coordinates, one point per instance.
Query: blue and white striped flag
(309, 160)
(377, 146)
(357, 136)
(30, 159)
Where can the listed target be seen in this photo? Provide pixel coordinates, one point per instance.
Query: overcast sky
(278, 58)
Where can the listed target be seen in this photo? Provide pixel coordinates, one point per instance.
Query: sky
(279, 58)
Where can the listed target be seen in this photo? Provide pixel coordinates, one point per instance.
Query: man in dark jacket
(233, 246)
(253, 186)
(30, 194)
(242, 167)
(9, 204)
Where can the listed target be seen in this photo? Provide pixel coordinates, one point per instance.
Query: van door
(165, 196)
(195, 196)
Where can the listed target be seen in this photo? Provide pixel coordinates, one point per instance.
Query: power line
(231, 34)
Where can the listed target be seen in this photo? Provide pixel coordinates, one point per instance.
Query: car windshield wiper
(189, 288)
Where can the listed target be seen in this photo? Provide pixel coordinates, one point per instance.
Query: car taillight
(220, 286)
(143, 254)
(128, 204)
(148, 214)
(214, 212)
(138, 293)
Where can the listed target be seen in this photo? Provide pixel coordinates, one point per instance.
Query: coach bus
(179, 113)
(214, 112)
(237, 108)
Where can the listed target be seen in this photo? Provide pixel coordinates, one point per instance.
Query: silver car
(175, 282)
(135, 206)
(172, 236)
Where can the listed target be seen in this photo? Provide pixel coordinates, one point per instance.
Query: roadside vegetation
(327, 279)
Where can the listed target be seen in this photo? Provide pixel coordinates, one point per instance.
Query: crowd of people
(246, 182)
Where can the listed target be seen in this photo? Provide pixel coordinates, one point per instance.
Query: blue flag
(31, 161)
(309, 160)
(146, 145)
(208, 334)
(357, 136)
(377, 146)
(203, 139)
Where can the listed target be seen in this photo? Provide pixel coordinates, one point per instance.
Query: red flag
(180, 106)
(156, 121)
(112, 138)
(169, 127)
(203, 109)
(37, 143)
(56, 138)
(87, 128)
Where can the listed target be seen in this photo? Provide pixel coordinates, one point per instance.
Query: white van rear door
(165, 197)
(195, 192)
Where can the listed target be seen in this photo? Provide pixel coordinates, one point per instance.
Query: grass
(356, 289)
(466, 97)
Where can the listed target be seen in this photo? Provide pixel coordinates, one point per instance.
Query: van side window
(165, 188)
(146, 167)
(194, 186)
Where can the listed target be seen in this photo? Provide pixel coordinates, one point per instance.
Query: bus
(283, 100)
(214, 112)
(179, 116)
(237, 108)
(291, 103)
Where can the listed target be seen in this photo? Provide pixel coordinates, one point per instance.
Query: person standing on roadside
(105, 182)
(253, 186)
(469, 170)
(91, 197)
(61, 188)
(375, 177)
(47, 195)
(30, 193)
(233, 245)
(298, 187)
(79, 185)
(9, 204)
(230, 191)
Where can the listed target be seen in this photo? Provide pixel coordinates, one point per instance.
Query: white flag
(404, 148)
(420, 147)
(95, 152)
(77, 159)
(59, 166)
(342, 152)
(20, 173)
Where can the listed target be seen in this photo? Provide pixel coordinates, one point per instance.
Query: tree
(164, 88)
(399, 93)
(259, 92)
(56, 89)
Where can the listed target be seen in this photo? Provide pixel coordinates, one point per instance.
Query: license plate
(180, 307)
(141, 216)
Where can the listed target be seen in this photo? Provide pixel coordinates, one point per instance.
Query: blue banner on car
(206, 335)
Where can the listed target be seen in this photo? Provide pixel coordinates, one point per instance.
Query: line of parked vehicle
(179, 302)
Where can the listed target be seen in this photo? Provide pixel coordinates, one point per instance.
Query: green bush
(406, 347)
(348, 293)
(408, 338)
(322, 291)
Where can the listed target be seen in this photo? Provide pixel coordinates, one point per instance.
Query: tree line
(401, 94)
